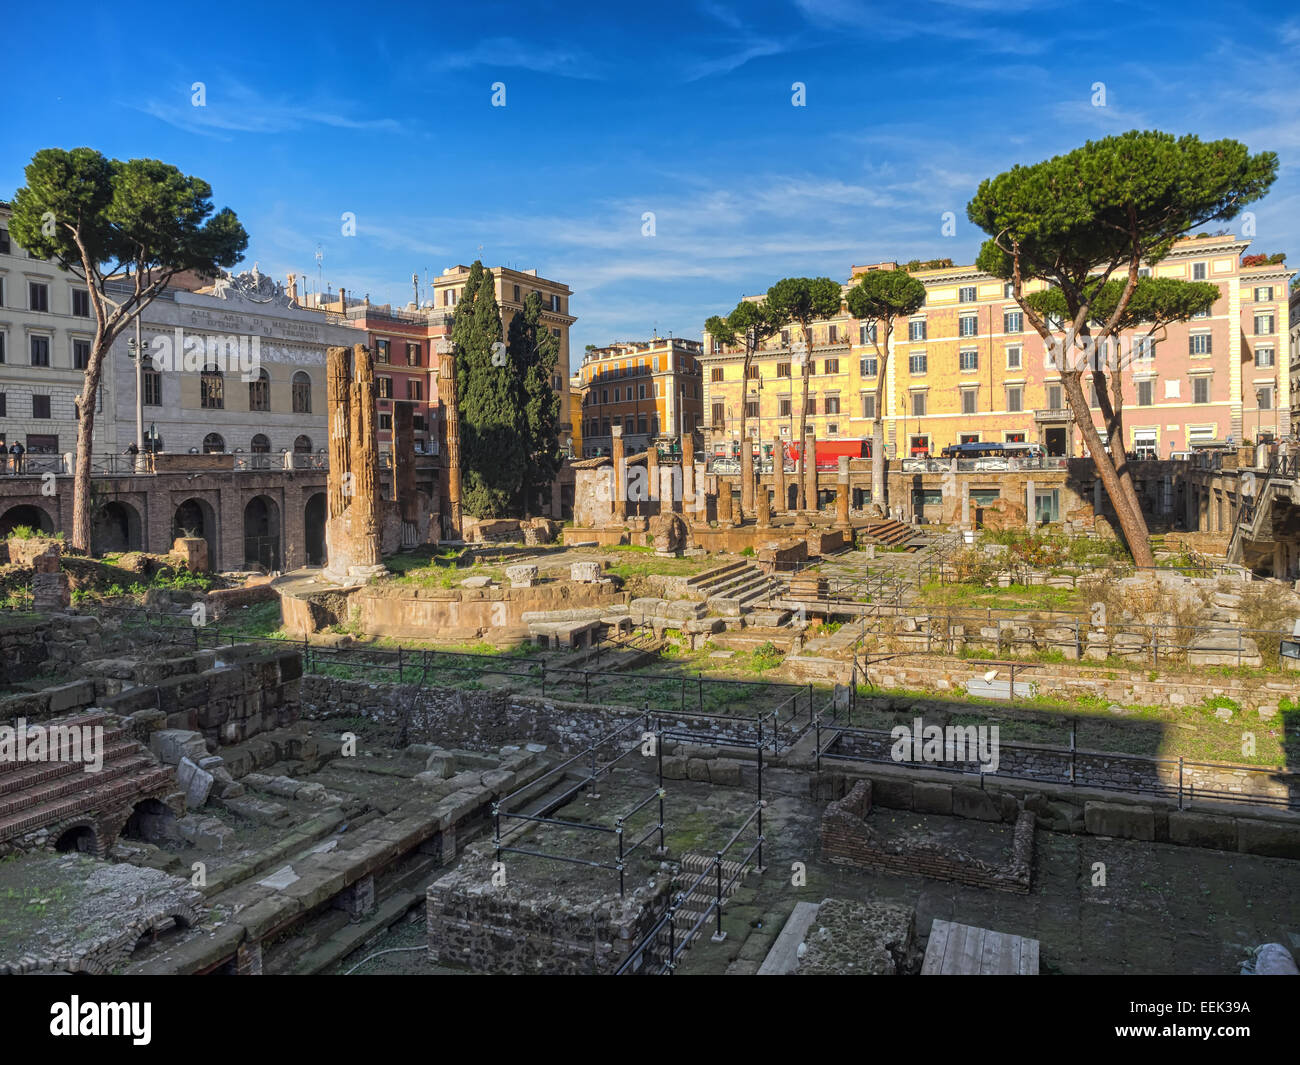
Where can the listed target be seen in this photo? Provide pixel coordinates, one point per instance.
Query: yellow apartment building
(968, 368)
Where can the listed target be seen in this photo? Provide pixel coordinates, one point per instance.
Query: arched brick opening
(314, 529)
(196, 517)
(27, 514)
(77, 838)
(116, 527)
(262, 545)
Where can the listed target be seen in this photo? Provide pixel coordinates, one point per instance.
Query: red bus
(829, 452)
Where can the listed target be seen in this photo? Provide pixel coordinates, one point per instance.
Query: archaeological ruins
(692, 729)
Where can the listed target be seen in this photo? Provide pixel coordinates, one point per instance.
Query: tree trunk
(81, 516)
(1132, 524)
(878, 429)
(803, 420)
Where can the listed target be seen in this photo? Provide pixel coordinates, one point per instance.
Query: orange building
(652, 388)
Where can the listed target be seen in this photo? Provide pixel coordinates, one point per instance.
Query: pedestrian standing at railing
(16, 451)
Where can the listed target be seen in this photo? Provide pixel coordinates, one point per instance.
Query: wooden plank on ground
(965, 950)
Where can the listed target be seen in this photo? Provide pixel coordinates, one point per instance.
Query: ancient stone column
(338, 381)
(763, 507)
(810, 469)
(688, 473)
(652, 476)
(618, 492)
(842, 495)
(965, 504)
(1031, 518)
(746, 478)
(724, 501)
(447, 390)
(778, 476)
(404, 459)
(364, 512)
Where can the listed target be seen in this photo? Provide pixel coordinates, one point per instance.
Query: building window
(302, 445)
(385, 421)
(640, 391)
(80, 354)
(4, 242)
(832, 404)
(301, 393)
(1264, 295)
(384, 387)
(918, 404)
(785, 338)
(1009, 290)
(715, 374)
(414, 388)
(1144, 350)
(783, 408)
(867, 333)
(1264, 397)
(831, 366)
(1263, 357)
(969, 397)
(80, 303)
(868, 367)
(4, 405)
(750, 375)
(1145, 393)
(213, 444)
(259, 392)
(412, 354)
(212, 392)
(916, 362)
(40, 351)
(1199, 271)
(1200, 390)
(1015, 399)
(832, 334)
(260, 444)
(782, 369)
(869, 406)
(969, 359)
(916, 329)
(1013, 322)
(812, 405)
(719, 415)
(968, 325)
(1013, 358)
(382, 350)
(751, 408)
(40, 406)
(1144, 271)
(1198, 344)
(1055, 399)
(38, 296)
(152, 381)
(966, 294)
(1263, 325)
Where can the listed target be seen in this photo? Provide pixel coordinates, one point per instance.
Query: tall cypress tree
(493, 454)
(534, 354)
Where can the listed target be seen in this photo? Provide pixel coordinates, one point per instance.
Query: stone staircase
(889, 533)
(732, 589)
(34, 795)
(699, 901)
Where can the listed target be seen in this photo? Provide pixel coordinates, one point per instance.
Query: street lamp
(135, 351)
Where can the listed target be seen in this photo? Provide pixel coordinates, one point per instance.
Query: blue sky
(682, 109)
